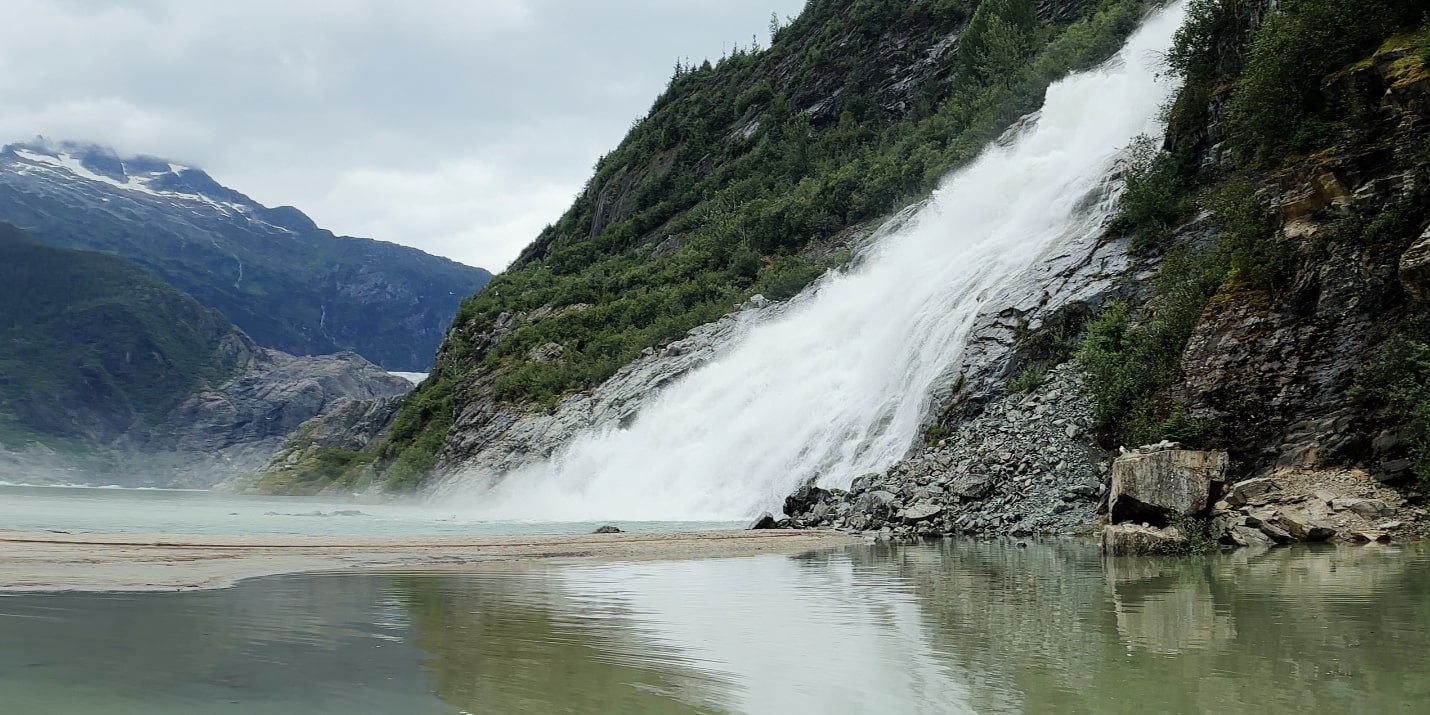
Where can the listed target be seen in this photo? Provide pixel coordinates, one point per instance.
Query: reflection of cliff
(1058, 629)
(756, 635)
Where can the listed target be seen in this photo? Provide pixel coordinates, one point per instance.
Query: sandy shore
(57, 561)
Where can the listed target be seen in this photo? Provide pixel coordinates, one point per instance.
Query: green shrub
(1028, 379)
(1196, 537)
(1249, 240)
(1280, 106)
(1129, 364)
(1156, 196)
(1401, 378)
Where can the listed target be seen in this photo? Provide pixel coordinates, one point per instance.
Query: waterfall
(838, 385)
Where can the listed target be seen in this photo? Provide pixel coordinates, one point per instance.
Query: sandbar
(32, 561)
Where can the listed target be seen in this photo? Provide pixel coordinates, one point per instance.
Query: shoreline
(46, 561)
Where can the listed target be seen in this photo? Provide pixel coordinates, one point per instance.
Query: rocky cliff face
(286, 282)
(221, 431)
(355, 426)
(1277, 368)
(235, 427)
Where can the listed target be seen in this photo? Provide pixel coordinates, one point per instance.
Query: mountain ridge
(288, 283)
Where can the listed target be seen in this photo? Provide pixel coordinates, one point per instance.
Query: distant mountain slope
(107, 372)
(91, 343)
(287, 283)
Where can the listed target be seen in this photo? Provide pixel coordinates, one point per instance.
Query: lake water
(165, 511)
(955, 627)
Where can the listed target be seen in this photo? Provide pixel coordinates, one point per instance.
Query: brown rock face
(1158, 485)
(1415, 268)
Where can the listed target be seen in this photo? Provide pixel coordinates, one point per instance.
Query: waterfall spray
(838, 385)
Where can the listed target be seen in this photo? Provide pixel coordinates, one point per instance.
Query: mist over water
(839, 384)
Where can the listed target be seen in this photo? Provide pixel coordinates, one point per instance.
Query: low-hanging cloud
(457, 126)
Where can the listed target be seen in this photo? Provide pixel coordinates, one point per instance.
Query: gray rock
(550, 352)
(765, 521)
(1247, 537)
(971, 486)
(922, 511)
(1138, 540)
(1303, 527)
(1370, 509)
(1245, 491)
(1158, 484)
(608, 529)
(1274, 532)
(862, 483)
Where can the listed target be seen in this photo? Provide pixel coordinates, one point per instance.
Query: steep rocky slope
(289, 284)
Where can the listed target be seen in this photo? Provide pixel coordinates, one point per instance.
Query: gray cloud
(457, 126)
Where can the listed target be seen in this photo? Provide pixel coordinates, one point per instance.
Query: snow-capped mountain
(272, 271)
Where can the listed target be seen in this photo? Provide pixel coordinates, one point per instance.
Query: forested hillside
(91, 344)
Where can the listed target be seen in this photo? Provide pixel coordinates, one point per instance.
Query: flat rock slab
(1138, 540)
(1249, 490)
(921, 512)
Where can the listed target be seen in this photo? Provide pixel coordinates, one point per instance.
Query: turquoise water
(956, 627)
(153, 511)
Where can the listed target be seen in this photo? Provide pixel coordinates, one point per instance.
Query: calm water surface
(960, 627)
(167, 511)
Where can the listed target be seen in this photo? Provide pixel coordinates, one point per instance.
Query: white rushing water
(838, 386)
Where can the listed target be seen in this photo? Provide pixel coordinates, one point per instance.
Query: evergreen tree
(997, 40)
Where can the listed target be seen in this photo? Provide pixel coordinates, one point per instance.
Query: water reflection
(758, 635)
(961, 627)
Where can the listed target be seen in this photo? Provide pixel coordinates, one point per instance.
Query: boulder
(878, 504)
(1248, 490)
(1275, 533)
(1248, 537)
(1371, 509)
(1303, 527)
(1138, 540)
(1155, 486)
(863, 482)
(971, 486)
(765, 521)
(1368, 536)
(608, 529)
(922, 511)
(803, 500)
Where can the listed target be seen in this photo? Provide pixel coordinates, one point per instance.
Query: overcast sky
(457, 126)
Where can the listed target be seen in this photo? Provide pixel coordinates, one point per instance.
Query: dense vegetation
(91, 343)
(741, 180)
(1270, 91)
